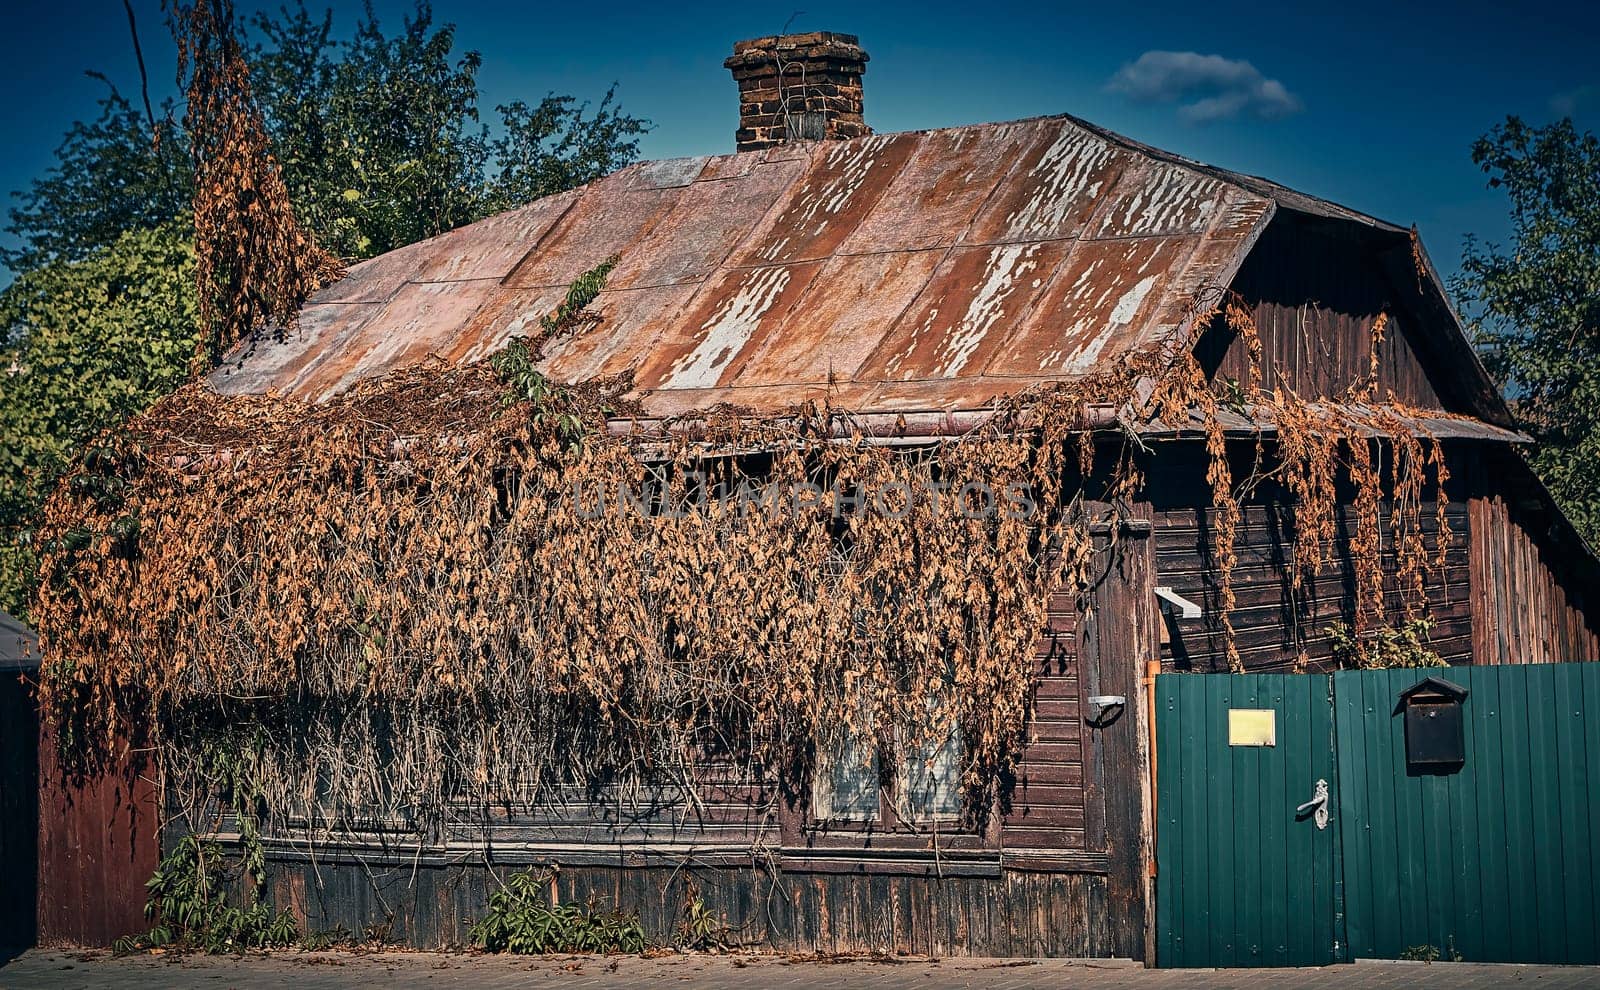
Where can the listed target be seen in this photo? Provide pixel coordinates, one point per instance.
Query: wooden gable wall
(1315, 290)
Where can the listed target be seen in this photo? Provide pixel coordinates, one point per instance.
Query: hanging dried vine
(254, 264)
(418, 603)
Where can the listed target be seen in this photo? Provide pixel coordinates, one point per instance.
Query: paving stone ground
(67, 970)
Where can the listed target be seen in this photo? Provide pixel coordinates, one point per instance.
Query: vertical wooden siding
(1530, 574)
(433, 904)
(1314, 292)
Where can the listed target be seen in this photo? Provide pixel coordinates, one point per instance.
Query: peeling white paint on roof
(1122, 314)
(729, 329)
(856, 160)
(1063, 178)
(1009, 266)
(1170, 200)
(974, 229)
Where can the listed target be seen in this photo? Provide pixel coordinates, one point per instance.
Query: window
(929, 785)
(851, 785)
(846, 783)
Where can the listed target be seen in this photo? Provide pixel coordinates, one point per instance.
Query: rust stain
(1056, 184)
(707, 221)
(1094, 308)
(927, 270)
(721, 321)
(964, 314)
(323, 331)
(935, 196)
(422, 319)
(844, 182)
(604, 222)
(841, 318)
(491, 248)
(631, 326)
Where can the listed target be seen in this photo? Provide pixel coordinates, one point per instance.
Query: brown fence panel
(98, 844)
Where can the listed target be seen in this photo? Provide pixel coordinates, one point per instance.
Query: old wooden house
(914, 279)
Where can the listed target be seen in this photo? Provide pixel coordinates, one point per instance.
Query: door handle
(1317, 806)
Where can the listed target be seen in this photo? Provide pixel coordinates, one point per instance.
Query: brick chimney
(798, 87)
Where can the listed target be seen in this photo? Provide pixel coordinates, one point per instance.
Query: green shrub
(1405, 645)
(522, 920)
(189, 905)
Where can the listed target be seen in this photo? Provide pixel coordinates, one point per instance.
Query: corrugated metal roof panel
(955, 326)
(927, 270)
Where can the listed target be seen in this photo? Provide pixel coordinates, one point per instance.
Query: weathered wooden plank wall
(1272, 621)
(1315, 291)
(1060, 871)
(1007, 913)
(1530, 573)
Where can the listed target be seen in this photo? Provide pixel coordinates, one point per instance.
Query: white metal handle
(1319, 801)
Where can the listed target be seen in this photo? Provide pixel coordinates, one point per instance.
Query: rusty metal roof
(928, 270)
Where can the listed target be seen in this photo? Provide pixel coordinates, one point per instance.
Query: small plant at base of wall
(522, 920)
(700, 930)
(189, 905)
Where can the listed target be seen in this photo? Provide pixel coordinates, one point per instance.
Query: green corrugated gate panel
(1242, 880)
(1496, 861)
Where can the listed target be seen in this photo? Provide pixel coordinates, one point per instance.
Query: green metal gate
(1242, 878)
(1497, 860)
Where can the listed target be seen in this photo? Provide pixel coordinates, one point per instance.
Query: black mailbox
(1436, 735)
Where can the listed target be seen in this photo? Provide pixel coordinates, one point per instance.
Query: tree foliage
(1535, 303)
(111, 176)
(381, 138)
(87, 343)
(379, 135)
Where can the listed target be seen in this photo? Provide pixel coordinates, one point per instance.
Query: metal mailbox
(1436, 737)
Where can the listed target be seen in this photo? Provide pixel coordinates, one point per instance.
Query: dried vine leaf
(254, 264)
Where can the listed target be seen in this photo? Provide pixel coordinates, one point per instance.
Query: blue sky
(1374, 105)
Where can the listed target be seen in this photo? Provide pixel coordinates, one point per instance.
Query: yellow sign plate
(1252, 727)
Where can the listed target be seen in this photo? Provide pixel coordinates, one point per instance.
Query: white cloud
(1574, 101)
(1208, 87)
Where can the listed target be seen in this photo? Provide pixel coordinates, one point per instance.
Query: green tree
(86, 344)
(556, 146)
(1535, 304)
(380, 136)
(111, 175)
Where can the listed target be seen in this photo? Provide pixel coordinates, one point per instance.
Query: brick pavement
(57, 970)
